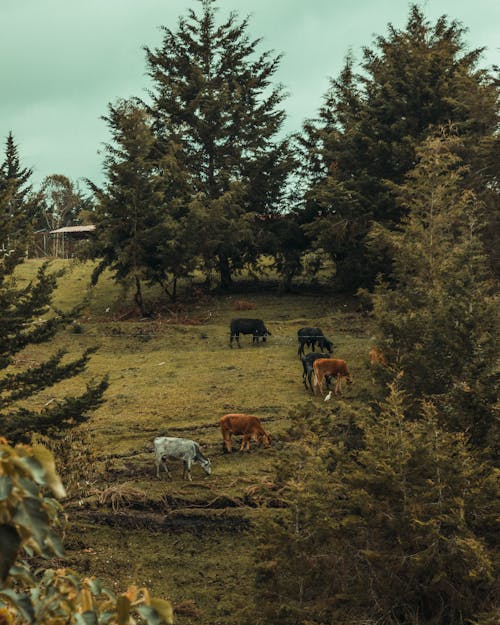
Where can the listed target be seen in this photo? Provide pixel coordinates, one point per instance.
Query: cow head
(326, 345)
(264, 438)
(206, 465)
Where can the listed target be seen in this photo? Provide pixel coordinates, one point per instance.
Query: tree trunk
(139, 300)
(226, 279)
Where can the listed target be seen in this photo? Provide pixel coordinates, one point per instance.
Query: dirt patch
(182, 520)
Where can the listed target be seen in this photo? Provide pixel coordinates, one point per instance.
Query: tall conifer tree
(147, 225)
(437, 322)
(212, 95)
(21, 308)
(412, 82)
(18, 204)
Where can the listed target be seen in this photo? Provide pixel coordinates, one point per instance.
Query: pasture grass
(175, 375)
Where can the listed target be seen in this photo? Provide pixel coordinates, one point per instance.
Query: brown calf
(335, 368)
(243, 424)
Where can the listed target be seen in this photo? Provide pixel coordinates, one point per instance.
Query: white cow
(169, 447)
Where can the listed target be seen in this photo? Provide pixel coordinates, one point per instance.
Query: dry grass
(243, 304)
(121, 496)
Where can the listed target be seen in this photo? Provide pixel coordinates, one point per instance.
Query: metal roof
(70, 229)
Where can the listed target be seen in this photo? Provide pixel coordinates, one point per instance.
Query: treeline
(199, 176)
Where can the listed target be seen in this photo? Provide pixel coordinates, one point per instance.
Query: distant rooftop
(90, 228)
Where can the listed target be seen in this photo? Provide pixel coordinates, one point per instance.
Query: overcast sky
(63, 61)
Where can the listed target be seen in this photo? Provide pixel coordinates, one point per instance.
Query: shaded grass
(178, 379)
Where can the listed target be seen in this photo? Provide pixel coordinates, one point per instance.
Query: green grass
(169, 378)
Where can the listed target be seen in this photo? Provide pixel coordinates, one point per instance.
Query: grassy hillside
(175, 375)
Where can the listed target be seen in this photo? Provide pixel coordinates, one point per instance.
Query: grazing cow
(334, 367)
(313, 336)
(307, 366)
(255, 327)
(169, 447)
(377, 357)
(242, 424)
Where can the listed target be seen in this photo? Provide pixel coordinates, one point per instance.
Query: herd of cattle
(318, 367)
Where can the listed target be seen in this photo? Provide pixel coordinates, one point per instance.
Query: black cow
(312, 337)
(308, 370)
(255, 327)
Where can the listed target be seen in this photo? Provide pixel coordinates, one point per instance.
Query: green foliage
(21, 326)
(17, 203)
(188, 174)
(437, 321)
(26, 320)
(411, 82)
(212, 96)
(147, 230)
(392, 530)
(29, 526)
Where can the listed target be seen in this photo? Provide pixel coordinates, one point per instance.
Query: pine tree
(437, 322)
(212, 96)
(22, 308)
(148, 226)
(17, 202)
(393, 529)
(412, 82)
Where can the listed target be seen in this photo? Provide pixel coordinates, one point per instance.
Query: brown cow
(246, 425)
(335, 368)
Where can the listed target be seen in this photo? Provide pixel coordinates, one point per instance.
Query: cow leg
(245, 443)
(238, 339)
(187, 469)
(318, 384)
(231, 341)
(164, 465)
(311, 382)
(338, 385)
(227, 442)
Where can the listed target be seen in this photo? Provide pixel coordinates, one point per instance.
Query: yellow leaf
(122, 609)
(46, 459)
(164, 609)
(86, 604)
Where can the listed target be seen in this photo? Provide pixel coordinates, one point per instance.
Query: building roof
(70, 229)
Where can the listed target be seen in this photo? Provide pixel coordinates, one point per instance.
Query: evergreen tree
(147, 226)
(437, 322)
(212, 96)
(17, 203)
(412, 82)
(393, 529)
(22, 307)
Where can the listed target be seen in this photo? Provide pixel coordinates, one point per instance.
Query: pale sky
(63, 61)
